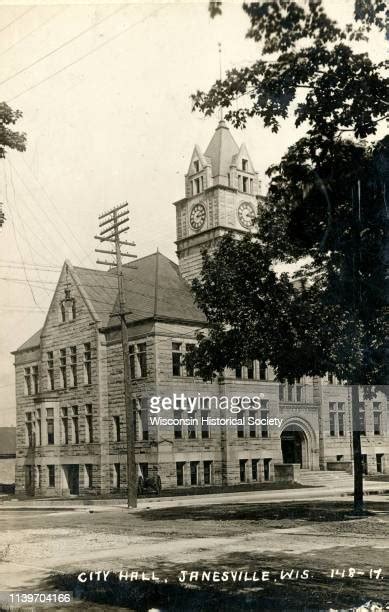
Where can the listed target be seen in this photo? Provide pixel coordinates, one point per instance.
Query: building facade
(71, 426)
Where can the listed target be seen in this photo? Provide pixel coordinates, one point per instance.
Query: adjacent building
(71, 435)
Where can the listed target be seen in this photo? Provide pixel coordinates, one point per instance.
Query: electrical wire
(20, 40)
(16, 238)
(73, 63)
(17, 19)
(62, 46)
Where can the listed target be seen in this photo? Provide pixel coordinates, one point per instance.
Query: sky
(105, 95)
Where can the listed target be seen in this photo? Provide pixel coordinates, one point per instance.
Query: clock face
(197, 216)
(246, 215)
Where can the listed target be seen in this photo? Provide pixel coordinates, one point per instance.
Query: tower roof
(221, 150)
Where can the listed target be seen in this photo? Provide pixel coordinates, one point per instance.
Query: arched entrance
(295, 447)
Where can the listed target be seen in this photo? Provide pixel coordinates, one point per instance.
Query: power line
(16, 19)
(62, 46)
(55, 226)
(21, 218)
(16, 239)
(37, 236)
(20, 40)
(87, 255)
(106, 42)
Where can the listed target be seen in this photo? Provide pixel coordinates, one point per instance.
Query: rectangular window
(252, 427)
(62, 312)
(262, 370)
(87, 364)
(51, 471)
(377, 422)
(73, 366)
(281, 392)
(299, 393)
(205, 414)
(65, 426)
(362, 419)
(39, 476)
(38, 436)
(332, 423)
(254, 469)
(116, 475)
(290, 393)
(29, 429)
(379, 460)
(192, 428)
(116, 429)
(341, 423)
(240, 430)
(244, 165)
(27, 381)
(242, 470)
(176, 358)
(264, 417)
(197, 185)
(71, 309)
(88, 475)
(50, 425)
(266, 469)
(196, 164)
(207, 472)
(178, 426)
(194, 468)
(131, 351)
(189, 369)
(62, 368)
(35, 379)
(180, 473)
(250, 370)
(251, 186)
(88, 424)
(142, 359)
(245, 184)
(75, 432)
(142, 419)
(50, 371)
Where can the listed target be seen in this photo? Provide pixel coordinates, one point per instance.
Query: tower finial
(220, 77)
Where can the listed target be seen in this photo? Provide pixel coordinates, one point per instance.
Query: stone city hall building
(71, 433)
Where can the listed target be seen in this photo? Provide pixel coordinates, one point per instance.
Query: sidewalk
(260, 497)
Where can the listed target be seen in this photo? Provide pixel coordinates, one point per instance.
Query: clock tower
(222, 194)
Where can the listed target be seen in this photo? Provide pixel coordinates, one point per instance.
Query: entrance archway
(294, 446)
(291, 447)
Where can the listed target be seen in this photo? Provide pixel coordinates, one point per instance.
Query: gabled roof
(221, 150)
(154, 289)
(7, 440)
(32, 342)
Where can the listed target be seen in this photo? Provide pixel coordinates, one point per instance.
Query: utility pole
(114, 223)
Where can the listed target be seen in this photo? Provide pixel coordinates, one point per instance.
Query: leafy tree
(326, 204)
(10, 139)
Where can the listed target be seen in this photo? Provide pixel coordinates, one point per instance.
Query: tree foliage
(10, 139)
(313, 70)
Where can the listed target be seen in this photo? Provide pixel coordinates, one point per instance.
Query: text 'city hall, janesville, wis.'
(71, 427)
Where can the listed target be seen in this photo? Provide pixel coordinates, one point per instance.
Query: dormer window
(245, 164)
(196, 164)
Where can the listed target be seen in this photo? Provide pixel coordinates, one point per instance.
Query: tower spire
(220, 77)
